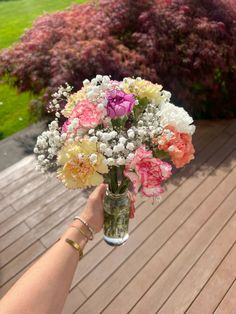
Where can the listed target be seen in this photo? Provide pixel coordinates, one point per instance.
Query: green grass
(15, 17)
(14, 113)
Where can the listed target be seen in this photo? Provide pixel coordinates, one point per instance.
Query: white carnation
(176, 117)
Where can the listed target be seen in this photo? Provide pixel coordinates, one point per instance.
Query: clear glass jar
(116, 218)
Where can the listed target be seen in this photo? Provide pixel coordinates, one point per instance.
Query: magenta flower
(119, 104)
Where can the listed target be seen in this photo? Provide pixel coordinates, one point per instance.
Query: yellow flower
(143, 89)
(79, 169)
(73, 101)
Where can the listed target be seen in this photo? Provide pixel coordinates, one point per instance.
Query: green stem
(114, 180)
(124, 184)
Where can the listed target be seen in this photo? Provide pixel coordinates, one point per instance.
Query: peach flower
(179, 147)
(87, 114)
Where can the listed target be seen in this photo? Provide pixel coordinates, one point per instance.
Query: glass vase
(116, 218)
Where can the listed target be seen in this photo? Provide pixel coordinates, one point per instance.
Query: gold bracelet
(76, 246)
(82, 232)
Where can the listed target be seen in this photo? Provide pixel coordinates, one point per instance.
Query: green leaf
(161, 154)
(119, 122)
(140, 108)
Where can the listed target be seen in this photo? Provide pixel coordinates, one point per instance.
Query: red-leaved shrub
(187, 45)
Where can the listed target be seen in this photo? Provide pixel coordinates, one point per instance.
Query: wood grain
(180, 256)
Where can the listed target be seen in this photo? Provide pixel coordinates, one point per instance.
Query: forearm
(44, 287)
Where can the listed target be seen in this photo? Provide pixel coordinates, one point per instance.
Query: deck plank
(27, 188)
(199, 274)
(54, 231)
(215, 288)
(6, 213)
(44, 197)
(19, 183)
(212, 144)
(140, 257)
(178, 238)
(13, 235)
(228, 304)
(175, 254)
(5, 288)
(221, 227)
(46, 211)
(16, 171)
(27, 239)
(22, 260)
(187, 186)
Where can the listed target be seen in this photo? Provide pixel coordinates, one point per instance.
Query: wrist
(87, 222)
(90, 221)
(75, 235)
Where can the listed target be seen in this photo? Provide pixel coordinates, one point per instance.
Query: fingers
(99, 192)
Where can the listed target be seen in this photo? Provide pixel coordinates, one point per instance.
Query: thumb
(100, 191)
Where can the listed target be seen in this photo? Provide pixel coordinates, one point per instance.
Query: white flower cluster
(114, 140)
(61, 95)
(96, 90)
(117, 147)
(170, 114)
(47, 146)
(149, 124)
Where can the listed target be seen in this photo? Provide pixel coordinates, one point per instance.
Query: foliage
(15, 17)
(189, 46)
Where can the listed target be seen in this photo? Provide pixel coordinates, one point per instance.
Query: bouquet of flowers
(125, 134)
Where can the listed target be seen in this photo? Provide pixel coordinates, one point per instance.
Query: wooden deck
(181, 254)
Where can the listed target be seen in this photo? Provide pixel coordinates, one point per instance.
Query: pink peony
(179, 147)
(119, 104)
(147, 172)
(88, 115)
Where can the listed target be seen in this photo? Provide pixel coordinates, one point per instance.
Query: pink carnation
(179, 147)
(147, 172)
(88, 115)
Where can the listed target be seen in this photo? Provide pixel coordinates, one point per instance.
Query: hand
(93, 211)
